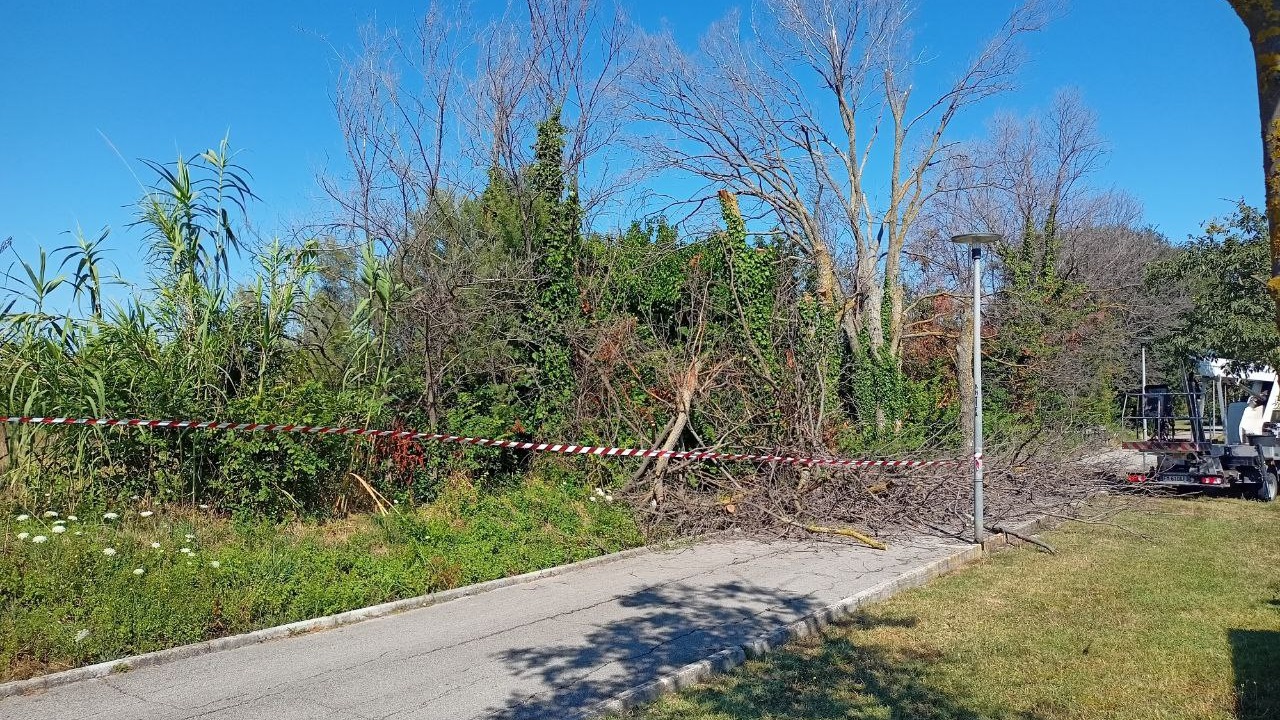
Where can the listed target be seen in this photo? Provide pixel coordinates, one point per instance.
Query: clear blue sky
(1171, 81)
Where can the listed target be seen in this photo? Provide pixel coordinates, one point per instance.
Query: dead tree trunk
(658, 439)
(684, 405)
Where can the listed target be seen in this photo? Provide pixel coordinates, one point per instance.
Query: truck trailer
(1217, 433)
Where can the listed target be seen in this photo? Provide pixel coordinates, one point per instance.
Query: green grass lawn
(1185, 625)
(124, 580)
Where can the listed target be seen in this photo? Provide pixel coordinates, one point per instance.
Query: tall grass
(189, 343)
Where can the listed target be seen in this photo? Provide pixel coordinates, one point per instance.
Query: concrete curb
(807, 626)
(161, 657)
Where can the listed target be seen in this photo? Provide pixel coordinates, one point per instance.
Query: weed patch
(114, 582)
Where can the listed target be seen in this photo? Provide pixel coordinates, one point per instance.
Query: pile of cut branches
(1022, 480)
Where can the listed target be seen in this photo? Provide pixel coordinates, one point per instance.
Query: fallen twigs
(1023, 481)
(1089, 521)
(1024, 538)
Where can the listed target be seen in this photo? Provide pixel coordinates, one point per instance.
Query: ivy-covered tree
(537, 216)
(1041, 315)
(556, 223)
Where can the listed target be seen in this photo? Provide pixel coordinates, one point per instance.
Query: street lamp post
(975, 243)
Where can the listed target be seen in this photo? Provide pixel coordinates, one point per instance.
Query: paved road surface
(535, 650)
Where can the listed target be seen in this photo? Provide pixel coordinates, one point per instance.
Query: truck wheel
(1266, 491)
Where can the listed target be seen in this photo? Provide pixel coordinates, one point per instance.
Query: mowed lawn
(1184, 625)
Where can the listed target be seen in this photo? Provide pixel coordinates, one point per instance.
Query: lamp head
(976, 239)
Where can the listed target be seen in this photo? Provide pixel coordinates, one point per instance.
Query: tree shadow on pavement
(666, 627)
(673, 625)
(828, 679)
(1255, 658)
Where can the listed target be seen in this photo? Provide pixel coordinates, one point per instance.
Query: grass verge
(115, 582)
(1184, 625)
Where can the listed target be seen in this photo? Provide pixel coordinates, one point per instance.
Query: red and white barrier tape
(482, 442)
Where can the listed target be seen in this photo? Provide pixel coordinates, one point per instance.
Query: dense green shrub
(491, 315)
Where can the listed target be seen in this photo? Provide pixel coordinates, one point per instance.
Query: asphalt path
(548, 648)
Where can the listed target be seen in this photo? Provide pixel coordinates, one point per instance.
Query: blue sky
(87, 84)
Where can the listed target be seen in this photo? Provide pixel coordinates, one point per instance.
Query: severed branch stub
(1024, 538)
(845, 532)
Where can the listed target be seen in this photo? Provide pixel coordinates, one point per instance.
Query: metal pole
(977, 393)
(1145, 435)
(1144, 394)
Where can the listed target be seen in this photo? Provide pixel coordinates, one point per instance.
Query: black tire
(1266, 490)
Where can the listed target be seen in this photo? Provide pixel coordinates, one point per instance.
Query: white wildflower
(146, 513)
(110, 516)
(600, 492)
(24, 517)
(73, 518)
(215, 564)
(204, 507)
(39, 539)
(138, 571)
(24, 535)
(134, 497)
(593, 498)
(59, 528)
(49, 514)
(108, 551)
(608, 498)
(185, 551)
(190, 537)
(155, 546)
(82, 635)
(78, 533)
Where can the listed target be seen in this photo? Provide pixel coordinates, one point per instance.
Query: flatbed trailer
(1229, 442)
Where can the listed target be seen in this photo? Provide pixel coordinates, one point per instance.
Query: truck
(1216, 433)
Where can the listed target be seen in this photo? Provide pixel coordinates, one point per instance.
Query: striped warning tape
(482, 442)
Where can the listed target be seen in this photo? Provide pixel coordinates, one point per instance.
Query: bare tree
(567, 57)
(438, 106)
(1029, 182)
(498, 120)
(395, 103)
(587, 56)
(744, 113)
